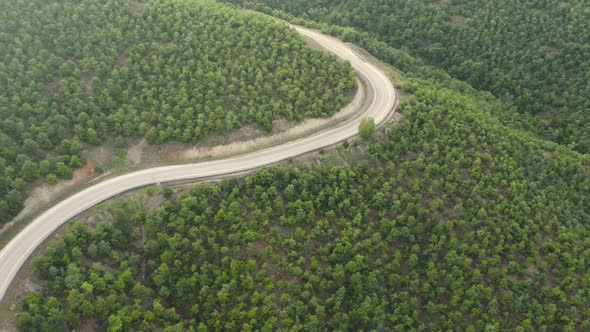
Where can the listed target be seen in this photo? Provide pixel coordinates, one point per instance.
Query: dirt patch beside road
(135, 152)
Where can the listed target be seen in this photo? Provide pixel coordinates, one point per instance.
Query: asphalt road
(381, 93)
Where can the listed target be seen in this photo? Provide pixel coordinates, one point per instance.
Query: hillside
(454, 221)
(75, 74)
(463, 216)
(530, 53)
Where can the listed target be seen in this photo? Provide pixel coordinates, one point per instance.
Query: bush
(99, 169)
(167, 192)
(52, 179)
(367, 128)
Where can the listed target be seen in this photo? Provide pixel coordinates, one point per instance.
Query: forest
(453, 221)
(463, 216)
(77, 73)
(534, 54)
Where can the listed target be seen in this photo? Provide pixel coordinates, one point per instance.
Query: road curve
(383, 94)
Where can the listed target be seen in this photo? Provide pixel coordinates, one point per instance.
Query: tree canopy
(74, 73)
(533, 54)
(454, 221)
(367, 128)
(460, 217)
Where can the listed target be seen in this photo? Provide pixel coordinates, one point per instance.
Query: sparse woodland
(75, 73)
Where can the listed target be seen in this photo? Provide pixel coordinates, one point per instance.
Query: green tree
(367, 128)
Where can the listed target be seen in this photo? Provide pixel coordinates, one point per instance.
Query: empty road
(382, 100)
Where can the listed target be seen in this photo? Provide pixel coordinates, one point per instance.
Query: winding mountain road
(382, 100)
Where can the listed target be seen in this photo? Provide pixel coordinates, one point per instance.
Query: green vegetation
(76, 73)
(530, 53)
(461, 217)
(367, 128)
(454, 222)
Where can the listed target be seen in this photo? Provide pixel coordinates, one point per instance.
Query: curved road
(381, 90)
